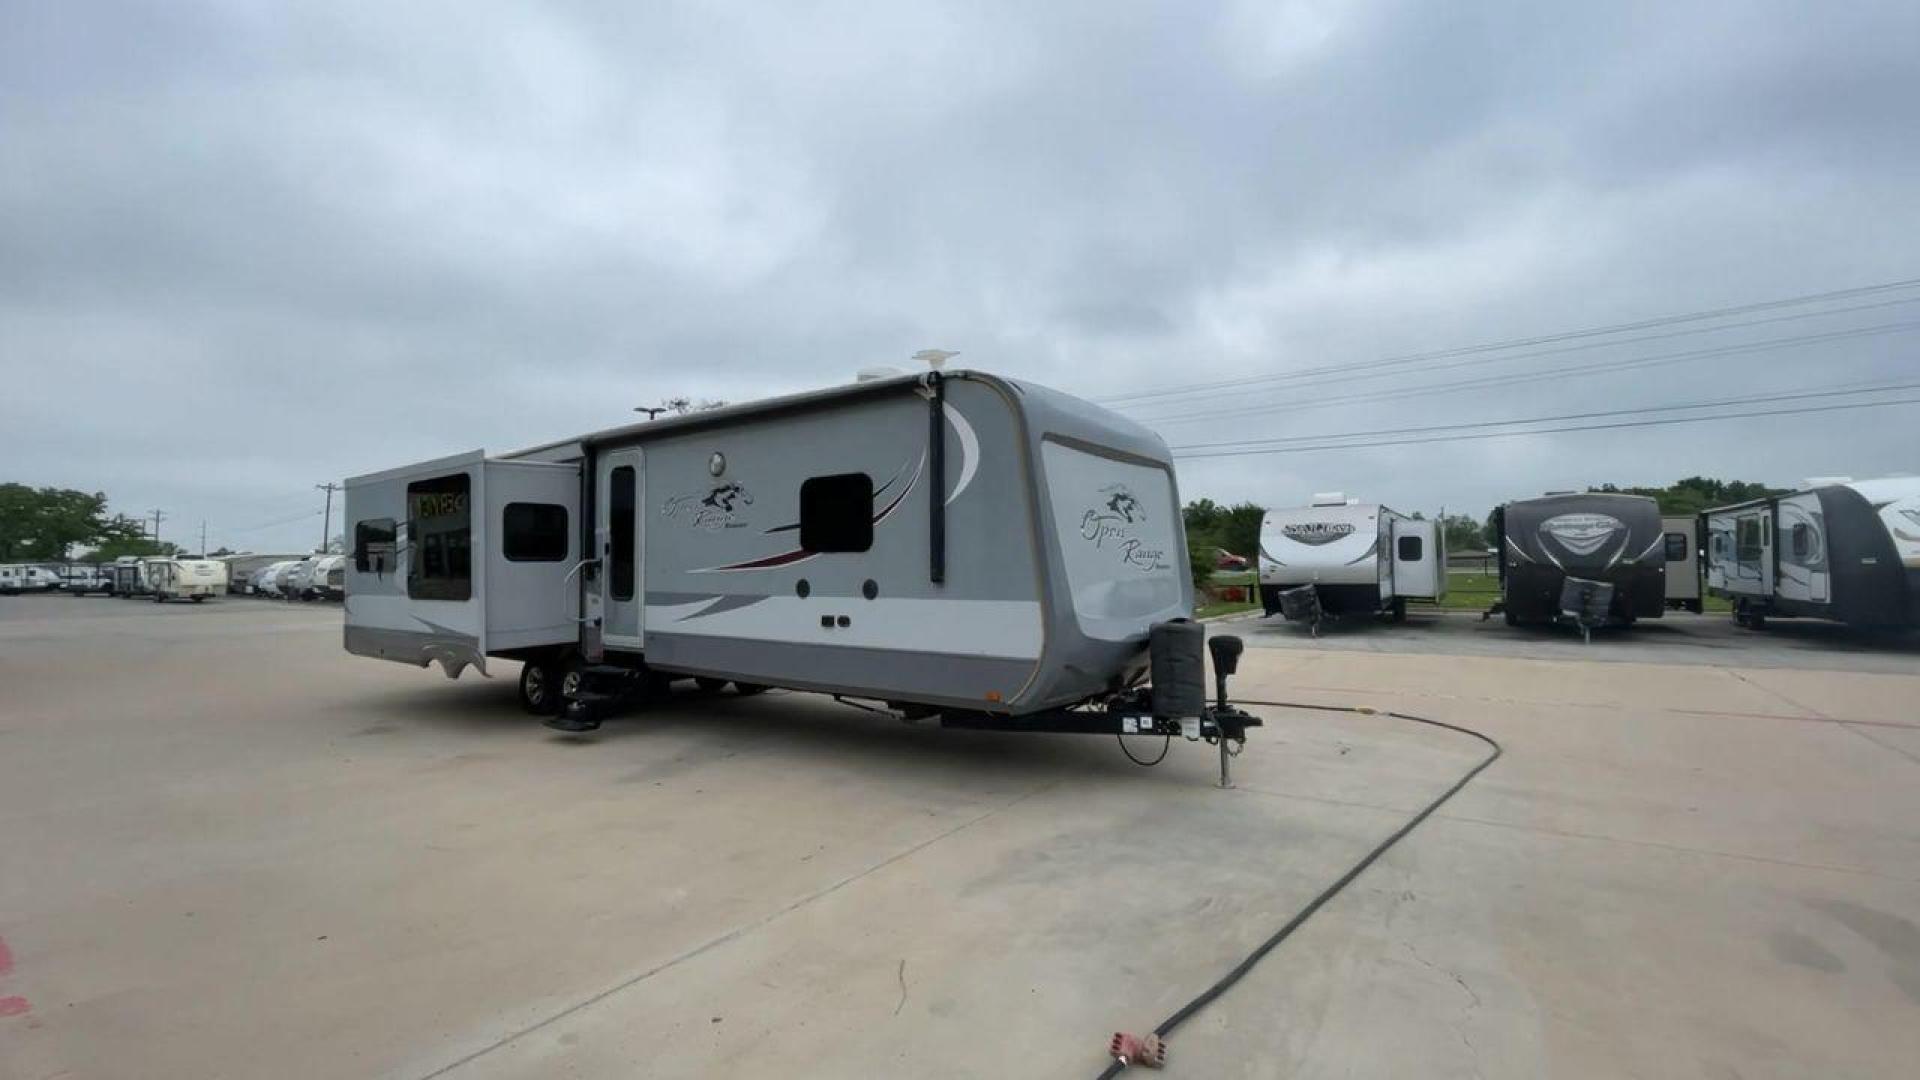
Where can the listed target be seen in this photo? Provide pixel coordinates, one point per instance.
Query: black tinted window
(440, 538)
(1802, 540)
(534, 532)
(620, 530)
(1409, 548)
(373, 546)
(836, 513)
(1676, 546)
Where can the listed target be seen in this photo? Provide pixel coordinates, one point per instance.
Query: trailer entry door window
(1409, 548)
(1802, 540)
(1747, 541)
(533, 532)
(440, 535)
(1676, 546)
(373, 546)
(620, 504)
(836, 513)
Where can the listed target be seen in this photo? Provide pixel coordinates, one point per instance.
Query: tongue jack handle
(1230, 724)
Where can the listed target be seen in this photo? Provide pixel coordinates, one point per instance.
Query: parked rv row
(320, 577)
(1843, 550)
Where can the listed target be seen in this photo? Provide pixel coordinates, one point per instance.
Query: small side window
(1676, 547)
(533, 532)
(1802, 540)
(836, 513)
(1409, 548)
(373, 546)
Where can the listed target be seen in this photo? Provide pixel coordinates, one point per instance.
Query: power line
(1551, 431)
(1509, 379)
(1752, 399)
(1321, 376)
(1544, 339)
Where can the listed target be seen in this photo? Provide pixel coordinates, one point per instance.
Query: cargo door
(618, 604)
(533, 568)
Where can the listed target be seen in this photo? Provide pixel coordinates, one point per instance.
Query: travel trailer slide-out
(1590, 559)
(961, 547)
(1681, 547)
(1340, 556)
(1845, 550)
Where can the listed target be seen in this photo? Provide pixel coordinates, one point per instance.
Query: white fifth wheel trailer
(1846, 550)
(955, 545)
(1339, 556)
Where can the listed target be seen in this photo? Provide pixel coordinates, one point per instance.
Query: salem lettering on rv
(1316, 533)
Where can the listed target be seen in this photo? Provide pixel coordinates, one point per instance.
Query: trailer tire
(747, 689)
(197, 599)
(709, 684)
(540, 686)
(1510, 617)
(1398, 612)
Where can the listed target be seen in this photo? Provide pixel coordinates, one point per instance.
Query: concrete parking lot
(1678, 637)
(227, 849)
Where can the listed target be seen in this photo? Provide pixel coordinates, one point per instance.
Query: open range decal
(718, 508)
(1582, 534)
(1315, 533)
(1111, 523)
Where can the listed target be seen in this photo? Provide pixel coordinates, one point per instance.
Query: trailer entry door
(620, 492)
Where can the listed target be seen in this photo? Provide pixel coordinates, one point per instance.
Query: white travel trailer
(958, 545)
(1340, 556)
(1681, 546)
(129, 576)
(328, 579)
(1840, 549)
(21, 578)
(185, 579)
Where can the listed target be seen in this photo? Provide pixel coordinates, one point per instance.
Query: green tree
(1462, 532)
(1697, 493)
(47, 523)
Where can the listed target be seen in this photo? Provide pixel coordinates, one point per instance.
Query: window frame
(623, 571)
(549, 533)
(444, 547)
(853, 533)
(363, 545)
(1668, 540)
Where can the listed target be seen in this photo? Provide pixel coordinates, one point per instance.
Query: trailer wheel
(540, 686)
(709, 684)
(197, 599)
(747, 689)
(1510, 617)
(1398, 613)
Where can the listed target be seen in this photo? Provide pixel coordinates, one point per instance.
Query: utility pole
(203, 538)
(326, 521)
(157, 517)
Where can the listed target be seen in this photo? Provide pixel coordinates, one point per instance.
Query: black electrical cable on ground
(1164, 747)
(1239, 971)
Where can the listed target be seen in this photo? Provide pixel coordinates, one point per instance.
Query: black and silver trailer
(1845, 550)
(1590, 559)
(957, 546)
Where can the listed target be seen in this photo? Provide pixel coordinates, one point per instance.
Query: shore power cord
(1150, 1050)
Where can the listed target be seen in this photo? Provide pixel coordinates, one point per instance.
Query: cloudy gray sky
(248, 248)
